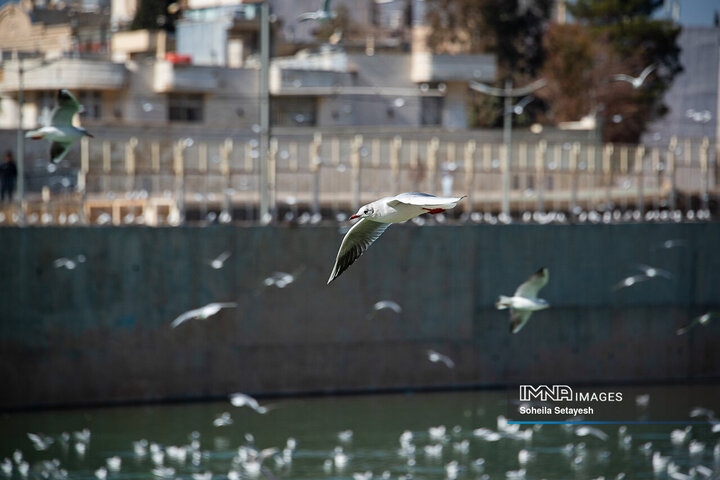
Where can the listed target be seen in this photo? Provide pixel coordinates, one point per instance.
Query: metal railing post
(540, 151)
(671, 171)
(640, 176)
(355, 169)
(470, 148)
(315, 163)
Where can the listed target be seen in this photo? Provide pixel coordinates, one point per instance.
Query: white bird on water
(61, 131)
(524, 301)
(202, 313)
(377, 216)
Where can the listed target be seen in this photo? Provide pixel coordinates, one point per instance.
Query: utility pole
(508, 93)
(20, 144)
(264, 213)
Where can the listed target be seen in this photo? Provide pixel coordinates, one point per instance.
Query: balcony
(70, 73)
(427, 67)
(169, 77)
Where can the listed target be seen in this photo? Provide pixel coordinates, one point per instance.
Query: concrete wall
(101, 332)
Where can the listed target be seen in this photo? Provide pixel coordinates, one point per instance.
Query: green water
(377, 423)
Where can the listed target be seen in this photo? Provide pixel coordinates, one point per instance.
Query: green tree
(153, 15)
(611, 37)
(511, 29)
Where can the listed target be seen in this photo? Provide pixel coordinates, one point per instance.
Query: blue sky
(698, 12)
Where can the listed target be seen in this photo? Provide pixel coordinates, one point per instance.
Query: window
(185, 108)
(294, 111)
(91, 101)
(431, 110)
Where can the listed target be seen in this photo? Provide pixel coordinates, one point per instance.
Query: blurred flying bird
(642, 400)
(703, 412)
(585, 431)
(384, 305)
(114, 463)
(345, 436)
(61, 131)
(676, 243)
(202, 313)
(636, 82)
(322, 15)
(699, 320)
(524, 301)
(280, 279)
(436, 357)
(218, 262)
(377, 216)
(69, 263)
(242, 400)
(652, 272)
(630, 281)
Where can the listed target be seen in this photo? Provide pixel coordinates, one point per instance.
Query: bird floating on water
(377, 216)
(524, 301)
(61, 132)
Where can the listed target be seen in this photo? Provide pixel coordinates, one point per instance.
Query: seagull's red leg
(433, 211)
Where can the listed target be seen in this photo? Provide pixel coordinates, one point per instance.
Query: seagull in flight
(322, 15)
(243, 400)
(524, 301)
(202, 313)
(377, 216)
(218, 262)
(436, 357)
(385, 305)
(652, 272)
(61, 131)
(699, 320)
(636, 82)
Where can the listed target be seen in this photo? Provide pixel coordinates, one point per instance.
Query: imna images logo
(546, 393)
(563, 393)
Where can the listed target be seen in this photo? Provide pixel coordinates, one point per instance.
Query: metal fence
(159, 181)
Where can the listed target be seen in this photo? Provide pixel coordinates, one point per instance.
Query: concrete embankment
(100, 333)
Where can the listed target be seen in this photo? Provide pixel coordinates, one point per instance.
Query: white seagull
(218, 262)
(636, 82)
(699, 320)
(385, 305)
(202, 313)
(242, 400)
(524, 301)
(322, 15)
(61, 131)
(377, 216)
(436, 357)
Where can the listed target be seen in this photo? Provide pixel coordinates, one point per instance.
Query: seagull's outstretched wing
(58, 150)
(190, 314)
(518, 319)
(648, 70)
(425, 200)
(307, 16)
(67, 107)
(532, 285)
(621, 77)
(356, 241)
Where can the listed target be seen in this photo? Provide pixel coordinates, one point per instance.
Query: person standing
(8, 175)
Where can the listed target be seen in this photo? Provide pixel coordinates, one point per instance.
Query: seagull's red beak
(354, 216)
